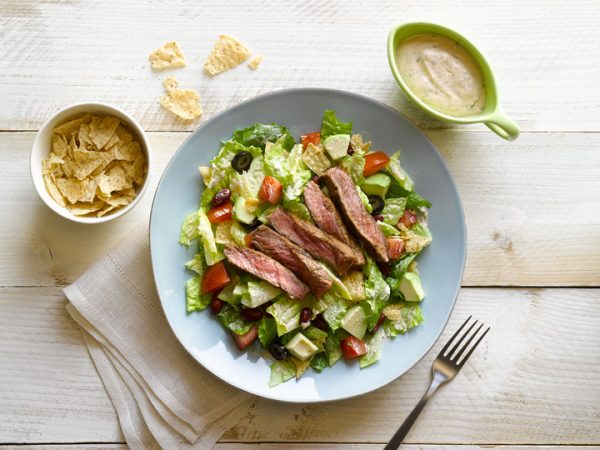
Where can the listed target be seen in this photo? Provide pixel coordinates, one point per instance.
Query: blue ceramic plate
(440, 265)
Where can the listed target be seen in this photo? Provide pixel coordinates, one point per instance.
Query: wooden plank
(532, 209)
(54, 53)
(296, 446)
(534, 380)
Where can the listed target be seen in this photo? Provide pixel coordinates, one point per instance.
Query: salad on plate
(307, 248)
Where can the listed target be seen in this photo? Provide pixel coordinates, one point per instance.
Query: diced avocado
(337, 145)
(259, 293)
(355, 283)
(377, 184)
(229, 295)
(316, 159)
(338, 287)
(241, 213)
(355, 322)
(239, 290)
(411, 287)
(301, 347)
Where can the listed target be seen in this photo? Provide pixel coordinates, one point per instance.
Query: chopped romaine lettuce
(212, 253)
(195, 301)
(223, 233)
(323, 303)
(364, 199)
(398, 173)
(401, 317)
(286, 313)
(281, 371)
(297, 207)
(415, 201)
(388, 230)
(354, 165)
(238, 233)
(259, 293)
(189, 229)
(196, 264)
(416, 238)
(332, 346)
(264, 215)
(338, 287)
(259, 134)
(230, 318)
(373, 343)
(332, 125)
(334, 314)
(377, 290)
(319, 362)
(220, 166)
(267, 331)
(247, 184)
(298, 175)
(231, 293)
(315, 334)
(393, 210)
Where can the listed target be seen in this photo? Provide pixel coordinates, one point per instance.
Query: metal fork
(445, 367)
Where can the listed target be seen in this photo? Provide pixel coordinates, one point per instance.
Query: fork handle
(437, 380)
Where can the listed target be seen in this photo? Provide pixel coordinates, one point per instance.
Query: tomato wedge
(395, 247)
(244, 340)
(374, 162)
(311, 138)
(214, 278)
(221, 213)
(270, 190)
(409, 218)
(352, 347)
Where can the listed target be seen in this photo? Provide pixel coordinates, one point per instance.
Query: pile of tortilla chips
(95, 166)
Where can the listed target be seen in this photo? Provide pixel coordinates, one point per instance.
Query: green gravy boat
(492, 115)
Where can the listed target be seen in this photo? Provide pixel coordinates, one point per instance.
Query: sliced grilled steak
(266, 268)
(319, 244)
(355, 215)
(328, 219)
(271, 243)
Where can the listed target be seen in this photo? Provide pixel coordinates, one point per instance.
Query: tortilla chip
(54, 191)
(101, 130)
(226, 54)
(52, 166)
(123, 134)
(128, 151)
(118, 198)
(84, 136)
(114, 179)
(85, 162)
(60, 147)
(73, 189)
(254, 63)
(106, 210)
(169, 56)
(84, 208)
(184, 103)
(72, 126)
(171, 83)
(137, 171)
(114, 140)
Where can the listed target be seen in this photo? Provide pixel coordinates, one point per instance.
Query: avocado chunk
(241, 213)
(411, 287)
(301, 347)
(377, 184)
(337, 145)
(355, 322)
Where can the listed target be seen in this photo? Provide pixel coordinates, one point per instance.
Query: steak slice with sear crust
(267, 269)
(319, 244)
(329, 220)
(271, 243)
(356, 216)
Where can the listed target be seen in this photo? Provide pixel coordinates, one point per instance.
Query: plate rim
(307, 90)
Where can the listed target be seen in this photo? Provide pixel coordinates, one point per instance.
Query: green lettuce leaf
(415, 201)
(388, 230)
(373, 343)
(212, 253)
(196, 264)
(230, 318)
(267, 331)
(286, 313)
(332, 346)
(281, 371)
(297, 207)
(259, 134)
(332, 125)
(354, 165)
(238, 233)
(195, 301)
(364, 199)
(220, 172)
(400, 267)
(335, 312)
(398, 173)
(377, 290)
(248, 183)
(409, 316)
(259, 293)
(189, 229)
(298, 175)
(393, 210)
(319, 362)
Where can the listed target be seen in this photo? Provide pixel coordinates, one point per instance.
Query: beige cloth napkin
(162, 396)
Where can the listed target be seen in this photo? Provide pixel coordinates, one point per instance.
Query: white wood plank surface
(53, 53)
(535, 380)
(532, 210)
(299, 446)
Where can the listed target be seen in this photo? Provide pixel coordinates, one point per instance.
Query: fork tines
(456, 352)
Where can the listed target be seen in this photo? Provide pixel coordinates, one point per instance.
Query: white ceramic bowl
(43, 144)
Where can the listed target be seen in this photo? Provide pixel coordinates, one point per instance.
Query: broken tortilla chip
(226, 54)
(254, 63)
(184, 103)
(101, 130)
(169, 56)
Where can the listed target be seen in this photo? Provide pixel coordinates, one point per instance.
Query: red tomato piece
(395, 247)
(244, 340)
(374, 162)
(270, 190)
(221, 213)
(248, 239)
(352, 347)
(311, 138)
(214, 278)
(409, 218)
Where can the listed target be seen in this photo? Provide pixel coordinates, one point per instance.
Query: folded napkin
(163, 397)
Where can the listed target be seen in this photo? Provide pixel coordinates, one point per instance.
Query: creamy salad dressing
(442, 74)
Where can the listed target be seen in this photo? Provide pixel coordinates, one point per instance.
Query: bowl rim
(63, 114)
(438, 156)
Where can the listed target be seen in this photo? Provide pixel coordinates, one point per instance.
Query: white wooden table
(532, 207)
